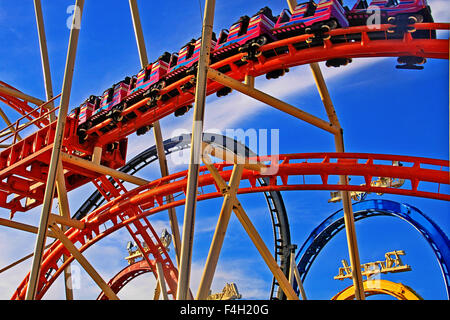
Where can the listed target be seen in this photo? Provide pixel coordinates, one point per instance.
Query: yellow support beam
(77, 224)
(22, 226)
(15, 263)
(271, 101)
(161, 281)
(254, 236)
(294, 274)
(195, 154)
(292, 4)
(219, 234)
(8, 124)
(20, 95)
(345, 195)
(44, 56)
(156, 128)
(56, 153)
(83, 261)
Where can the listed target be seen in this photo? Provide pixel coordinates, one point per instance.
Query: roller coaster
(90, 145)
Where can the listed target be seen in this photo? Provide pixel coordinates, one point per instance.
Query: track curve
(323, 233)
(354, 42)
(373, 287)
(123, 277)
(274, 199)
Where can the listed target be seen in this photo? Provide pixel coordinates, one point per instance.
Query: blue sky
(382, 110)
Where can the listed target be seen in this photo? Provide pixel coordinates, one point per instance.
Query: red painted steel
(24, 163)
(127, 274)
(144, 233)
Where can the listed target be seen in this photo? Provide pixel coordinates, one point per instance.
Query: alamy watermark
(256, 148)
(374, 19)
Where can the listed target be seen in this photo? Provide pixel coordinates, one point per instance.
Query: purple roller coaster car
(247, 30)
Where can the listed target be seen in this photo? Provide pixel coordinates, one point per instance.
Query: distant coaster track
(374, 287)
(325, 231)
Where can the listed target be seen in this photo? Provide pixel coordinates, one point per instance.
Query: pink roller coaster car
(149, 80)
(111, 102)
(84, 113)
(413, 10)
(246, 31)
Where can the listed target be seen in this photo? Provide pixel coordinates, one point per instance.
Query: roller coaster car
(149, 80)
(247, 34)
(309, 17)
(406, 11)
(84, 115)
(112, 102)
(404, 14)
(187, 58)
(74, 113)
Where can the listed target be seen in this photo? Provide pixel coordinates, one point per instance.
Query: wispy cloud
(233, 110)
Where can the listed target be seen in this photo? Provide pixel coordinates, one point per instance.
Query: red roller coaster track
(23, 165)
(294, 171)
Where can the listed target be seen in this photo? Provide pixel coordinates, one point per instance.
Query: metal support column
(60, 182)
(156, 127)
(229, 193)
(44, 56)
(161, 281)
(55, 157)
(196, 149)
(83, 262)
(20, 95)
(64, 211)
(90, 165)
(345, 195)
(294, 274)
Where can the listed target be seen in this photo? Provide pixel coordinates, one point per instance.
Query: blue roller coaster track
(323, 233)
